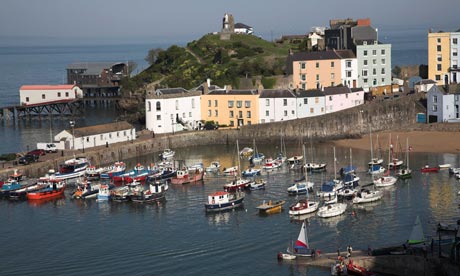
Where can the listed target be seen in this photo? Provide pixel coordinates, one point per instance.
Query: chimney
(205, 89)
(208, 81)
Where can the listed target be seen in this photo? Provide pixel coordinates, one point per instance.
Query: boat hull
(46, 194)
(224, 206)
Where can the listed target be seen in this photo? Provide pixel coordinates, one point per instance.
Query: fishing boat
(213, 167)
(237, 184)
(9, 187)
(405, 172)
(118, 168)
(301, 247)
(302, 207)
(72, 168)
(124, 193)
(428, 169)
(182, 177)
(85, 189)
(250, 172)
(257, 184)
(220, 201)
(366, 196)
(155, 192)
(196, 175)
(270, 207)
(167, 154)
(55, 188)
(139, 173)
(163, 173)
(21, 193)
(104, 193)
(93, 173)
(331, 210)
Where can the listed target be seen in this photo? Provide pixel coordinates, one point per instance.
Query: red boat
(139, 174)
(184, 176)
(355, 269)
(55, 188)
(429, 169)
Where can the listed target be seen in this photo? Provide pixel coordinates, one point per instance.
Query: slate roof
(310, 93)
(275, 93)
(233, 92)
(425, 82)
(336, 90)
(241, 26)
(92, 68)
(169, 91)
(100, 129)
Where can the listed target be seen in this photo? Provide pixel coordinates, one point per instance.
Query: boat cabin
(219, 197)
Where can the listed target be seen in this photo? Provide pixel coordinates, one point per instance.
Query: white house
(374, 64)
(39, 94)
(349, 71)
(276, 105)
(241, 28)
(340, 98)
(423, 85)
(310, 103)
(442, 106)
(93, 136)
(172, 109)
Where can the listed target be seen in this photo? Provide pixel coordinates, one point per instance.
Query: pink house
(313, 70)
(340, 98)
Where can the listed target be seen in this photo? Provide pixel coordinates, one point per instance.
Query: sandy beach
(419, 141)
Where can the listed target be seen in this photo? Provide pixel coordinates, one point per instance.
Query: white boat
(331, 200)
(385, 181)
(295, 162)
(332, 210)
(405, 172)
(330, 188)
(250, 172)
(300, 188)
(72, 168)
(213, 167)
(230, 171)
(167, 154)
(444, 166)
(374, 160)
(365, 196)
(220, 201)
(346, 193)
(271, 164)
(302, 207)
(104, 193)
(257, 184)
(246, 152)
(286, 256)
(315, 167)
(301, 247)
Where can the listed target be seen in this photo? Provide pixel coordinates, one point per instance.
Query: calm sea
(81, 237)
(41, 61)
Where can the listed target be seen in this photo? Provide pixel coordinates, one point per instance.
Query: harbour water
(177, 237)
(38, 61)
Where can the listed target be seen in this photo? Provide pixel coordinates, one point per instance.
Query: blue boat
(164, 173)
(220, 201)
(250, 172)
(117, 169)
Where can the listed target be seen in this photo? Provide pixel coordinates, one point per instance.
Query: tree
(131, 67)
(152, 55)
(396, 71)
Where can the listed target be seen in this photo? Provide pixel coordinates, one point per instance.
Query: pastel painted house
(442, 106)
(93, 136)
(310, 103)
(42, 94)
(277, 105)
(340, 98)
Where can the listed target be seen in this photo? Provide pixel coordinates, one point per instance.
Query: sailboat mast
(407, 152)
(335, 167)
(238, 156)
(305, 162)
(389, 152)
(372, 147)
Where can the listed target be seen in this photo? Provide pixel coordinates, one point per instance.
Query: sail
(417, 236)
(302, 240)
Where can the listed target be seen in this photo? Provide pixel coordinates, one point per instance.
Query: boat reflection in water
(57, 201)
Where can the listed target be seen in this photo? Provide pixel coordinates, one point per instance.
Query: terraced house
(443, 57)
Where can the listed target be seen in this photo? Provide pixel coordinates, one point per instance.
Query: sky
(185, 20)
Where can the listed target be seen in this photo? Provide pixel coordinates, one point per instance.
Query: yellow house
(439, 57)
(231, 107)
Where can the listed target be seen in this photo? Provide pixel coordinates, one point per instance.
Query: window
(365, 81)
(383, 80)
(332, 76)
(247, 104)
(27, 99)
(364, 73)
(332, 83)
(303, 86)
(305, 101)
(177, 104)
(382, 52)
(248, 114)
(43, 96)
(383, 61)
(454, 52)
(454, 64)
(317, 65)
(348, 74)
(158, 106)
(454, 41)
(439, 67)
(230, 104)
(439, 40)
(374, 71)
(215, 103)
(209, 113)
(438, 77)
(346, 96)
(267, 102)
(284, 102)
(374, 61)
(435, 99)
(239, 104)
(267, 113)
(348, 64)
(183, 114)
(365, 62)
(312, 110)
(240, 114)
(249, 123)
(303, 77)
(365, 53)
(322, 109)
(285, 113)
(435, 108)
(232, 123)
(374, 52)
(190, 114)
(330, 98)
(316, 100)
(383, 71)
(302, 65)
(216, 113)
(438, 48)
(439, 57)
(59, 94)
(101, 137)
(317, 77)
(209, 103)
(193, 103)
(231, 114)
(159, 117)
(332, 64)
(374, 82)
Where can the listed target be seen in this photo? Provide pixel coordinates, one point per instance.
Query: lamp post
(72, 125)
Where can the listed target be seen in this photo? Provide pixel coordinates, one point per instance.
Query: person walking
(349, 250)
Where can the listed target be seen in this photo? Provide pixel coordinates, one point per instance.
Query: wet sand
(419, 141)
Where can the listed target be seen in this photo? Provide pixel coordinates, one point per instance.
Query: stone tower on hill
(228, 27)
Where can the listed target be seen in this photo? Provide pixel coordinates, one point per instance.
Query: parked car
(37, 152)
(51, 148)
(27, 159)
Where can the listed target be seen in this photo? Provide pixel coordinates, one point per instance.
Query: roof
(47, 87)
(92, 68)
(322, 55)
(363, 33)
(336, 90)
(233, 92)
(428, 81)
(310, 93)
(218, 193)
(168, 91)
(99, 129)
(344, 54)
(241, 26)
(275, 93)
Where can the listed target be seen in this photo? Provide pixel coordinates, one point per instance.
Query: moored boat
(237, 184)
(93, 173)
(118, 168)
(250, 172)
(365, 196)
(230, 171)
(428, 169)
(257, 184)
(139, 173)
(271, 207)
(55, 188)
(220, 201)
(155, 192)
(85, 189)
(213, 167)
(104, 193)
(72, 168)
(299, 188)
(302, 207)
(163, 173)
(167, 154)
(385, 181)
(332, 210)
(271, 164)
(182, 177)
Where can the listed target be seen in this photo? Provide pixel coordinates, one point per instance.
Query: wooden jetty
(55, 108)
